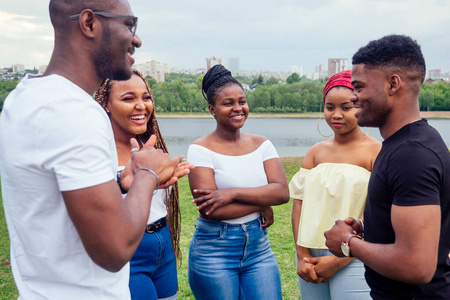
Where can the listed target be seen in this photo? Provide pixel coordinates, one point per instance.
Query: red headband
(343, 78)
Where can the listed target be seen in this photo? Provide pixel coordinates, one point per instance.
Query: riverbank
(424, 114)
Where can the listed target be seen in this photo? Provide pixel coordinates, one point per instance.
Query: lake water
(290, 136)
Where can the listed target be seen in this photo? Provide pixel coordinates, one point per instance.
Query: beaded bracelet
(153, 172)
(118, 182)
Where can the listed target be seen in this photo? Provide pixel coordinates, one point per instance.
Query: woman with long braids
(153, 268)
(237, 178)
(331, 185)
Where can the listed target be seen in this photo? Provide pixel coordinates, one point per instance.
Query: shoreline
(423, 114)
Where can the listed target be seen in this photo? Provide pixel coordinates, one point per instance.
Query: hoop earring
(364, 136)
(318, 129)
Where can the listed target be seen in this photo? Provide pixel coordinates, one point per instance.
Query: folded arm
(276, 192)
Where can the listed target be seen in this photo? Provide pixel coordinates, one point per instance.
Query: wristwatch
(345, 246)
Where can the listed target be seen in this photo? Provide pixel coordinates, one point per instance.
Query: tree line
(182, 93)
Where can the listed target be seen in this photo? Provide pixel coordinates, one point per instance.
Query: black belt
(155, 226)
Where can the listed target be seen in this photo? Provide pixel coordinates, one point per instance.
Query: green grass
(280, 235)
(7, 287)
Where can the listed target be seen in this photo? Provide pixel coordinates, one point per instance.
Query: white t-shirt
(54, 137)
(235, 171)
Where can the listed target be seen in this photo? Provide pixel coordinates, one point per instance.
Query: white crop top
(235, 171)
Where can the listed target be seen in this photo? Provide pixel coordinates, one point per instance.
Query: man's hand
(334, 237)
(357, 225)
(167, 169)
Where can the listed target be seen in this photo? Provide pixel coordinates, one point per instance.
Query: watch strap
(347, 242)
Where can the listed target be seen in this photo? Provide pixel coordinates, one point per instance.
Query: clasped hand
(318, 269)
(168, 169)
(339, 233)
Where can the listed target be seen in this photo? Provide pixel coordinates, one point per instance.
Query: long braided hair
(173, 203)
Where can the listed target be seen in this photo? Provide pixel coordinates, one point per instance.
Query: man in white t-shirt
(71, 232)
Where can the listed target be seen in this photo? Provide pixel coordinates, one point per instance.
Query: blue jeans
(348, 283)
(232, 261)
(153, 268)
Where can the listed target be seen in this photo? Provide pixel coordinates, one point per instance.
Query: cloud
(263, 34)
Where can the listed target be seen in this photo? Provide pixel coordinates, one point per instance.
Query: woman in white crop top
(332, 184)
(237, 178)
(153, 268)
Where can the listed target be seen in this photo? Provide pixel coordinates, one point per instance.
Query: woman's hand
(325, 266)
(267, 216)
(307, 271)
(212, 198)
(182, 169)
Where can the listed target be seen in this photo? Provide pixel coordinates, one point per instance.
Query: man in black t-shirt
(406, 226)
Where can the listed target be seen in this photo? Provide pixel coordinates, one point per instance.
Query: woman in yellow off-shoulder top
(332, 184)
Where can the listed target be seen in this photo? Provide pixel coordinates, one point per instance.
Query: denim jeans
(232, 261)
(153, 268)
(348, 283)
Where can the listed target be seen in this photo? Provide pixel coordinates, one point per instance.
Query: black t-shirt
(412, 168)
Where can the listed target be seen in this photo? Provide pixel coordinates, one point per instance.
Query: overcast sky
(266, 35)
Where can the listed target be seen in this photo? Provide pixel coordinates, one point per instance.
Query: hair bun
(212, 75)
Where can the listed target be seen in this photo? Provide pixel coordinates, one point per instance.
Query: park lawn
(280, 235)
(7, 287)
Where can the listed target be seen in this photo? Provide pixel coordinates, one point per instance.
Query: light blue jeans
(347, 284)
(153, 268)
(232, 261)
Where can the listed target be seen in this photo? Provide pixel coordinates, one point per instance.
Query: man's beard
(106, 66)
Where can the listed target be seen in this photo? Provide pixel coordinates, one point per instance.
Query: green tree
(198, 82)
(151, 82)
(258, 81)
(243, 80)
(294, 77)
(5, 88)
(426, 99)
(272, 81)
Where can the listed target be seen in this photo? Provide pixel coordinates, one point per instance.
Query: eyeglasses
(132, 27)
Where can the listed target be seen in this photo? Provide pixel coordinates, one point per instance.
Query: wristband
(154, 174)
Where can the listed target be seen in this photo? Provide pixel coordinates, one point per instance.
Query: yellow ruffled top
(330, 191)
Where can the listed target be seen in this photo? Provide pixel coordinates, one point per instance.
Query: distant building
(18, 68)
(296, 69)
(434, 73)
(336, 65)
(233, 64)
(313, 75)
(212, 61)
(434, 80)
(154, 69)
(321, 71)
